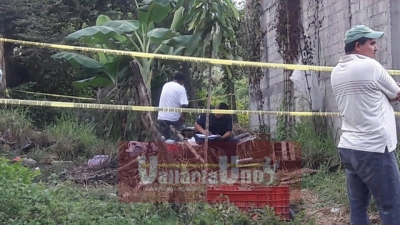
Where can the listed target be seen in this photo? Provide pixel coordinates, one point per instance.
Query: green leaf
(102, 19)
(216, 38)
(106, 58)
(194, 43)
(97, 32)
(178, 20)
(179, 51)
(158, 35)
(76, 60)
(179, 41)
(154, 12)
(232, 8)
(93, 81)
(127, 26)
(161, 2)
(114, 67)
(122, 73)
(178, 3)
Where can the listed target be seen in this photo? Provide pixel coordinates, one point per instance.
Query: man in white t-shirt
(363, 91)
(173, 95)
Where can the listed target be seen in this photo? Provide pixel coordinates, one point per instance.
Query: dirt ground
(325, 215)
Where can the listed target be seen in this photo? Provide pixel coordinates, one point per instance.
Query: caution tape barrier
(156, 109)
(93, 99)
(183, 58)
(153, 109)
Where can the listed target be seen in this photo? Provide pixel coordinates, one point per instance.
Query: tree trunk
(2, 68)
(189, 83)
(177, 196)
(208, 114)
(143, 98)
(231, 88)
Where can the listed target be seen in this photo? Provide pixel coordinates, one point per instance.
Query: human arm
(398, 95)
(199, 124)
(387, 84)
(184, 102)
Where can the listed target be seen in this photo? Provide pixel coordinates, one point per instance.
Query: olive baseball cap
(360, 31)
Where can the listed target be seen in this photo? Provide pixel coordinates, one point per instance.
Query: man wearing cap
(363, 91)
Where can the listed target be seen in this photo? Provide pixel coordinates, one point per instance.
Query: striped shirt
(362, 89)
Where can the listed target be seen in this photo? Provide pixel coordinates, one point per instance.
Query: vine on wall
(252, 45)
(289, 32)
(295, 44)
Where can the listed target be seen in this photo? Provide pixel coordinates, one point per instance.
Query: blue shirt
(216, 126)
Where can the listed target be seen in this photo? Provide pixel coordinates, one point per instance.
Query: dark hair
(179, 76)
(223, 105)
(348, 48)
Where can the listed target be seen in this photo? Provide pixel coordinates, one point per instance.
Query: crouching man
(220, 125)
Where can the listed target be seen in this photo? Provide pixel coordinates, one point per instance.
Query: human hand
(205, 132)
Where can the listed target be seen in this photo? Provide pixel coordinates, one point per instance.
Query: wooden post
(2, 67)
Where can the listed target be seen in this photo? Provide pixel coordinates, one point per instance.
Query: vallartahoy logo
(191, 174)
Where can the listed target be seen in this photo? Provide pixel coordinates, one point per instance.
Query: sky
(239, 3)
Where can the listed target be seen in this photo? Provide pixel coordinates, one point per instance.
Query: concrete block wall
(336, 18)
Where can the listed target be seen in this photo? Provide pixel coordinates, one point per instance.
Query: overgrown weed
(73, 138)
(15, 125)
(318, 148)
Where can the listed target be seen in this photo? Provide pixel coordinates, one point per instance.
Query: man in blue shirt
(220, 125)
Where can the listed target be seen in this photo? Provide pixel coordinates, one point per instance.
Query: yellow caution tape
(53, 95)
(153, 109)
(183, 58)
(93, 99)
(4, 101)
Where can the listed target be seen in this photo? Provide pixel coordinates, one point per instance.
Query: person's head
(223, 106)
(362, 40)
(179, 77)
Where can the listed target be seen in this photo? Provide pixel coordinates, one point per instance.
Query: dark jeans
(166, 131)
(375, 174)
(227, 145)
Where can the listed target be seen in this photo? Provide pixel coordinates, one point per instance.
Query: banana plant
(132, 35)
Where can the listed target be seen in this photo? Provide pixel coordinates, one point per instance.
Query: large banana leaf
(158, 35)
(178, 21)
(179, 41)
(126, 26)
(154, 11)
(77, 60)
(97, 81)
(95, 32)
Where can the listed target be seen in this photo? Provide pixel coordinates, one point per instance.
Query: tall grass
(73, 137)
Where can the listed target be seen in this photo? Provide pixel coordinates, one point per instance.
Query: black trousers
(165, 130)
(227, 145)
(372, 174)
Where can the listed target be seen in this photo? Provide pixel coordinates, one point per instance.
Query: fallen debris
(29, 162)
(295, 177)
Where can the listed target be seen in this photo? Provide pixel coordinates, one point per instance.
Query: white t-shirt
(362, 88)
(173, 95)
